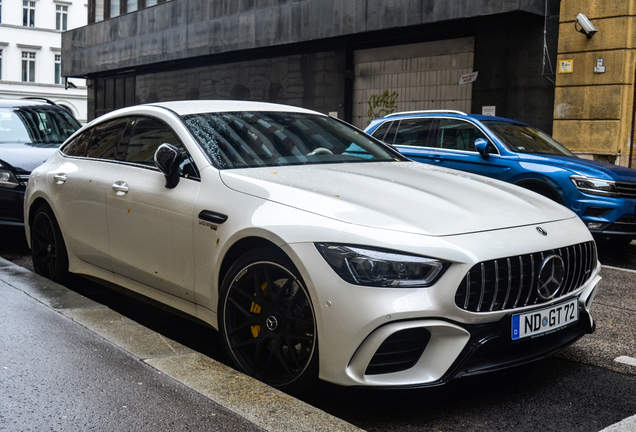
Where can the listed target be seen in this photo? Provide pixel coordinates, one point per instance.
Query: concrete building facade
(31, 51)
(595, 84)
(355, 59)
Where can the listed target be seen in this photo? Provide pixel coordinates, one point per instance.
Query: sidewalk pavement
(69, 363)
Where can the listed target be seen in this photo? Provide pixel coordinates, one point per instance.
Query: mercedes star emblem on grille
(550, 277)
(542, 231)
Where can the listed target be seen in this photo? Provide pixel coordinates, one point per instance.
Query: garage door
(421, 76)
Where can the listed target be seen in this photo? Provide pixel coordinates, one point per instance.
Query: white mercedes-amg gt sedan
(315, 250)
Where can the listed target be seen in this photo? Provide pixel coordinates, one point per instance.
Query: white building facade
(31, 52)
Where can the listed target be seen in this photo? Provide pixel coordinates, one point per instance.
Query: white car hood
(402, 196)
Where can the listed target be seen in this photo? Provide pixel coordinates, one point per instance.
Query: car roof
(188, 107)
(13, 103)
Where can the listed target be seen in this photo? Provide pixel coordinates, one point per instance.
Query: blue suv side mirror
(481, 145)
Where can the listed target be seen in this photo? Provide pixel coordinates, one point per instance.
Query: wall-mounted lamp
(587, 28)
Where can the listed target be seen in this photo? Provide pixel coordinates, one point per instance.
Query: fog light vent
(399, 352)
(596, 211)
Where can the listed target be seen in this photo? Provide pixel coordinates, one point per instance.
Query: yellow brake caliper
(256, 309)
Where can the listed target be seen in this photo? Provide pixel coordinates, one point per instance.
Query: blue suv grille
(509, 283)
(626, 190)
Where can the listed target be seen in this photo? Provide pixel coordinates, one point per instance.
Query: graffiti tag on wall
(381, 105)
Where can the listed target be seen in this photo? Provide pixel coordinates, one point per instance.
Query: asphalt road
(581, 389)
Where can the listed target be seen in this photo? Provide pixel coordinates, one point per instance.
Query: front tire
(48, 250)
(266, 321)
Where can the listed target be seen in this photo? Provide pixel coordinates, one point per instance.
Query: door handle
(120, 187)
(59, 178)
(437, 158)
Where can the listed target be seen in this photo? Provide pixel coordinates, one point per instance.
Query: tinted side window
(390, 135)
(416, 132)
(77, 147)
(381, 131)
(458, 135)
(147, 135)
(105, 139)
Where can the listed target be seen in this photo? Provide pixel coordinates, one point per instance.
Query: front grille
(625, 224)
(509, 283)
(23, 178)
(626, 190)
(399, 352)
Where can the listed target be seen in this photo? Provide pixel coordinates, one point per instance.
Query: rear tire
(267, 323)
(48, 250)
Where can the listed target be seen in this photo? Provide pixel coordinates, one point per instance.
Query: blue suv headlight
(594, 186)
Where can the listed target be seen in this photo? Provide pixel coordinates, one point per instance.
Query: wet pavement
(68, 363)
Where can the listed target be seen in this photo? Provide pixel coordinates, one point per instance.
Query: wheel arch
(34, 205)
(542, 188)
(239, 248)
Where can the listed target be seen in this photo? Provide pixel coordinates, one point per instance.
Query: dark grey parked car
(30, 131)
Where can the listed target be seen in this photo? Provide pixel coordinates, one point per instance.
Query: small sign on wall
(566, 66)
(468, 78)
(488, 110)
(600, 67)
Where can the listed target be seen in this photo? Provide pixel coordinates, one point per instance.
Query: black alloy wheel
(267, 323)
(48, 251)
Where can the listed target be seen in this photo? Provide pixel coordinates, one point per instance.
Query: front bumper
(11, 206)
(356, 323)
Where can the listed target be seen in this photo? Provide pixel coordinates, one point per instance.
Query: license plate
(547, 320)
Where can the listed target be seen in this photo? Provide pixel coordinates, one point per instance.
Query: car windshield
(525, 139)
(257, 139)
(36, 124)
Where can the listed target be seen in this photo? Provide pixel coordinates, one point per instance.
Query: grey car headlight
(594, 186)
(381, 268)
(8, 180)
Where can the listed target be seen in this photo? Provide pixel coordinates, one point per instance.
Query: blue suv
(602, 194)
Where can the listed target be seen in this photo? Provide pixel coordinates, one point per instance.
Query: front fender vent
(509, 283)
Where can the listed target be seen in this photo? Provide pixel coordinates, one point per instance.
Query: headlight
(594, 186)
(7, 179)
(381, 268)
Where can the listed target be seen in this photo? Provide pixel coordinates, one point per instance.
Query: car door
(455, 148)
(150, 226)
(80, 185)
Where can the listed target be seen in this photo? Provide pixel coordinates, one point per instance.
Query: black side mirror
(482, 147)
(167, 159)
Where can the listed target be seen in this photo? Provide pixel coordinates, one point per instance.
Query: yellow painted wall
(593, 112)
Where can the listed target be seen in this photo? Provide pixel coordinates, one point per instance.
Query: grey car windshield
(36, 125)
(521, 138)
(256, 139)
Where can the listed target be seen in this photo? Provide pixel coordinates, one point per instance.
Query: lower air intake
(399, 352)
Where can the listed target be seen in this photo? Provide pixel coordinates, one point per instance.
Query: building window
(61, 17)
(0, 11)
(0, 60)
(28, 13)
(151, 3)
(58, 69)
(28, 66)
(131, 6)
(115, 9)
(99, 10)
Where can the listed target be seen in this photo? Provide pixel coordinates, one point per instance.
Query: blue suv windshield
(521, 138)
